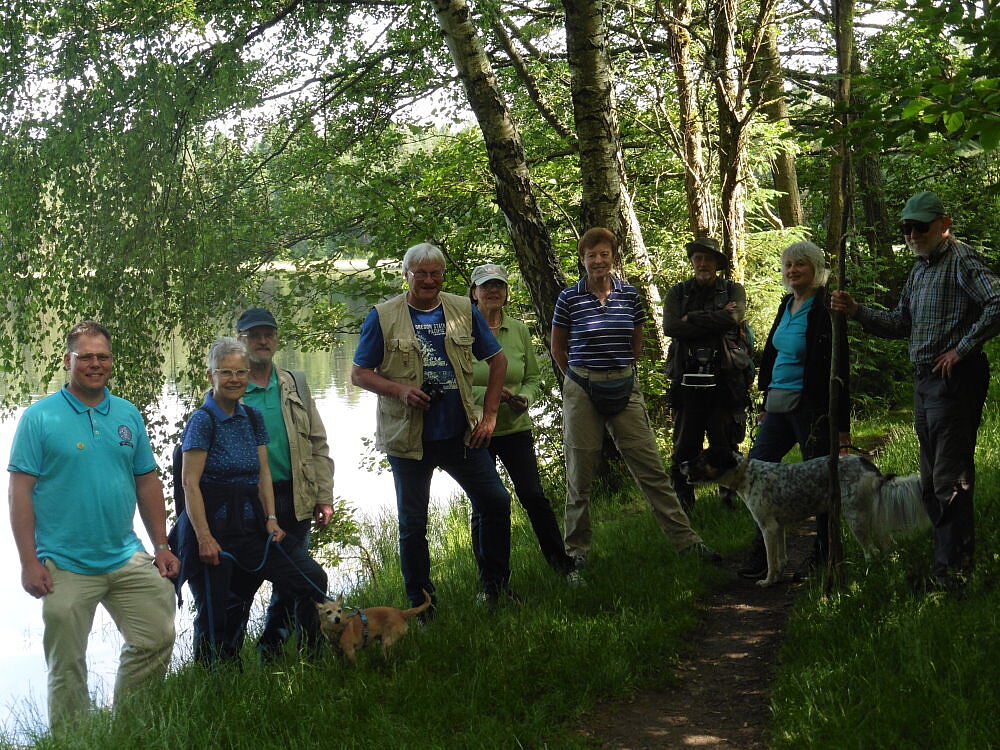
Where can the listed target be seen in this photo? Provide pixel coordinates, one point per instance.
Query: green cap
(925, 206)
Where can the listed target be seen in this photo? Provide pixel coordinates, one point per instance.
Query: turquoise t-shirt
(268, 402)
(790, 342)
(85, 460)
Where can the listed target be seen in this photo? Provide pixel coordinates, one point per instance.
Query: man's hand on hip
(944, 363)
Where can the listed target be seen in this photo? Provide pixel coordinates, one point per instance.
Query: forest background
(164, 163)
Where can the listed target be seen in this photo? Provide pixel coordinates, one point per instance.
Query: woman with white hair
(795, 376)
(227, 536)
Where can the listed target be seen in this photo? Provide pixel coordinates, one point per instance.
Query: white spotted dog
(875, 506)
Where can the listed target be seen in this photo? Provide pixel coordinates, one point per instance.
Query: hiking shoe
(574, 579)
(579, 561)
(754, 567)
(703, 551)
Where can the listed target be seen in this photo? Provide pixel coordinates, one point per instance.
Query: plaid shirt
(951, 300)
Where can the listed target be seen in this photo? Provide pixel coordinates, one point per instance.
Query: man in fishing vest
(416, 353)
(707, 364)
(79, 467)
(298, 455)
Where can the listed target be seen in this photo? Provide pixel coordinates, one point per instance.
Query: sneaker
(579, 561)
(754, 567)
(703, 551)
(574, 579)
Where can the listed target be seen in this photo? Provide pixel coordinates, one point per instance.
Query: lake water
(349, 416)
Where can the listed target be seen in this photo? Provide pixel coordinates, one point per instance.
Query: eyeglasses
(91, 358)
(493, 284)
(227, 374)
(920, 227)
(436, 275)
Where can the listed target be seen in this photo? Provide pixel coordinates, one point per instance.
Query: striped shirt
(951, 300)
(600, 336)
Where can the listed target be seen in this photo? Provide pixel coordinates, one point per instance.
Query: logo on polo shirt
(125, 434)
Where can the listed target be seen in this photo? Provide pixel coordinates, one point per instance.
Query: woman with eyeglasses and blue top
(512, 441)
(228, 537)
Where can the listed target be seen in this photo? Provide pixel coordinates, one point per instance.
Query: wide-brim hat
(488, 272)
(707, 244)
(924, 206)
(255, 316)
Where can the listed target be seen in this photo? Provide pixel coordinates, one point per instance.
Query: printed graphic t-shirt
(446, 418)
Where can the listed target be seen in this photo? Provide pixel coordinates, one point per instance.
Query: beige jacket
(399, 428)
(312, 467)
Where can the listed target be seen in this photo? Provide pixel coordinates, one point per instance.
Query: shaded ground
(723, 697)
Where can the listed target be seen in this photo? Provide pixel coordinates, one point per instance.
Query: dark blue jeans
(474, 469)
(778, 434)
(947, 413)
(236, 523)
(517, 454)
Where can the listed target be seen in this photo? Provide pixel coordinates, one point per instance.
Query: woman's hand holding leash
(275, 530)
(209, 550)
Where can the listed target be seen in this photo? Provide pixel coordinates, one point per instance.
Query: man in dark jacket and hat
(708, 364)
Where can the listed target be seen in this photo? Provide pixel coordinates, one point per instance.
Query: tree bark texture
(605, 201)
(730, 99)
(840, 194)
(775, 108)
(529, 234)
(697, 187)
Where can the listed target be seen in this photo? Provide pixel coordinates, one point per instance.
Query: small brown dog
(351, 633)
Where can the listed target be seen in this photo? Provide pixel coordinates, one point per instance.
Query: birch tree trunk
(605, 200)
(515, 196)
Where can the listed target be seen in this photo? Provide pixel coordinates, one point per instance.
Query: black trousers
(235, 520)
(947, 414)
(517, 454)
(701, 412)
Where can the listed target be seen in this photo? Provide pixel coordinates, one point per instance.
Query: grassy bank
(515, 679)
(881, 665)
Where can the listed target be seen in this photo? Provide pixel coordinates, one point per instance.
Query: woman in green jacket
(512, 441)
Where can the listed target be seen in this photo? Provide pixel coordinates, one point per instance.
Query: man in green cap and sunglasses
(949, 308)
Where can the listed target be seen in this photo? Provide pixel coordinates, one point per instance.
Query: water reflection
(349, 416)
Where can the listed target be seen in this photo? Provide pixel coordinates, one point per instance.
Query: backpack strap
(302, 388)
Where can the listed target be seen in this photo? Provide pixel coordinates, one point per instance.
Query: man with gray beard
(949, 308)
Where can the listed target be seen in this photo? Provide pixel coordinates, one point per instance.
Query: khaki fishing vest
(399, 428)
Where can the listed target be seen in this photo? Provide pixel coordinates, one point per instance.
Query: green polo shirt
(85, 460)
(268, 402)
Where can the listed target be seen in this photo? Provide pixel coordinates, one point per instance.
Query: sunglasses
(909, 227)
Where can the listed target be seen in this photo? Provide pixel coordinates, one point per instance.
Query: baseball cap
(255, 316)
(924, 206)
(488, 272)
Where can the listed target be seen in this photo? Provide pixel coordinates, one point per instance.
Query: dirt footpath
(723, 698)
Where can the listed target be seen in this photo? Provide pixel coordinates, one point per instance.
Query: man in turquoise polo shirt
(79, 466)
(298, 453)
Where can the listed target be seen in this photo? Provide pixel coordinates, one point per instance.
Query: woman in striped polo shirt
(596, 338)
